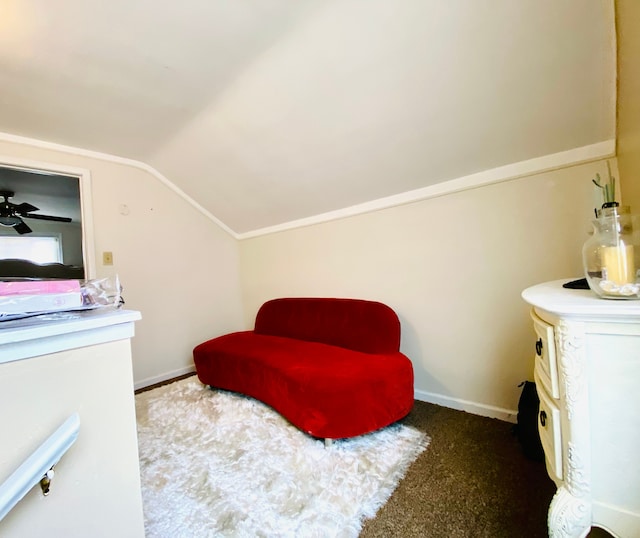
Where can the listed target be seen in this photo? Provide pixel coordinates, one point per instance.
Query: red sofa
(332, 367)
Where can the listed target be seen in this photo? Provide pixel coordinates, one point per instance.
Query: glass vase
(611, 256)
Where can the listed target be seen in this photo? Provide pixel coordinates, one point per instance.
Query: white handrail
(35, 467)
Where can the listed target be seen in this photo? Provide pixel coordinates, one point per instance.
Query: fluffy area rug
(215, 463)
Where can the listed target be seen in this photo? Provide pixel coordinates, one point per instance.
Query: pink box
(36, 287)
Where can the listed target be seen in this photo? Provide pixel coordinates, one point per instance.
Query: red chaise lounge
(332, 367)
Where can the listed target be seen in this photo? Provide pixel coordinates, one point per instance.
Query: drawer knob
(543, 418)
(539, 347)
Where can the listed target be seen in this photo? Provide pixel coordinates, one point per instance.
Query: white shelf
(59, 331)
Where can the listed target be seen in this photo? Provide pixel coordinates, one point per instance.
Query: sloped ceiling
(268, 111)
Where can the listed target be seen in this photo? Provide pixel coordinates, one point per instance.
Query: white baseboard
(483, 410)
(508, 415)
(163, 377)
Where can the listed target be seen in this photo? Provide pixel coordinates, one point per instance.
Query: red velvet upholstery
(332, 367)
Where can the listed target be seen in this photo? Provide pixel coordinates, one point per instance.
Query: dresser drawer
(545, 361)
(549, 428)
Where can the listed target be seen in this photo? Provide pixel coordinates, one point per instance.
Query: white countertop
(552, 297)
(58, 331)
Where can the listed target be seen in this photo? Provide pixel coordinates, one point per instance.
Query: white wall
(96, 490)
(176, 266)
(452, 267)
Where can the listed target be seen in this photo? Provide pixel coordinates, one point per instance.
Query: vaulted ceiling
(268, 111)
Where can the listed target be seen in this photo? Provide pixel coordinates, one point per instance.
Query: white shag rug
(215, 463)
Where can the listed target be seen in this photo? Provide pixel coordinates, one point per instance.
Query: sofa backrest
(366, 326)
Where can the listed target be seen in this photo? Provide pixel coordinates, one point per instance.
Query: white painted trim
(181, 193)
(564, 159)
(88, 241)
(163, 377)
(32, 337)
(538, 165)
(80, 152)
(475, 408)
(86, 201)
(483, 410)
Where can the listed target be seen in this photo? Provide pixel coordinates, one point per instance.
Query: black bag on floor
(527, 427)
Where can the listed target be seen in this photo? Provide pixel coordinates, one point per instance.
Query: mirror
(43, 228)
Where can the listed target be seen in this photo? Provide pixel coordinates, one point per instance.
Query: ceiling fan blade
(24, 208)
(22, 228)
(47, 217)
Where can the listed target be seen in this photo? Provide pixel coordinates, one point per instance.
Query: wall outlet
(107, 258)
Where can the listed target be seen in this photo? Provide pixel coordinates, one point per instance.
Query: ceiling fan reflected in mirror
(11, 215)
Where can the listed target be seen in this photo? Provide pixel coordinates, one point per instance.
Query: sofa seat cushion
(325, 390)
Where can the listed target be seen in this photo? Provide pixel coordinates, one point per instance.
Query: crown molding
(564, 159)
(538, 165)
(80, 152)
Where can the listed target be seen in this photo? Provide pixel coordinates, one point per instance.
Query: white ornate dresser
(587, 373)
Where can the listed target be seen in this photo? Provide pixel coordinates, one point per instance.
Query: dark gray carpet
(472, 481)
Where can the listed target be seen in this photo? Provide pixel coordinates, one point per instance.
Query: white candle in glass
(618, 264)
